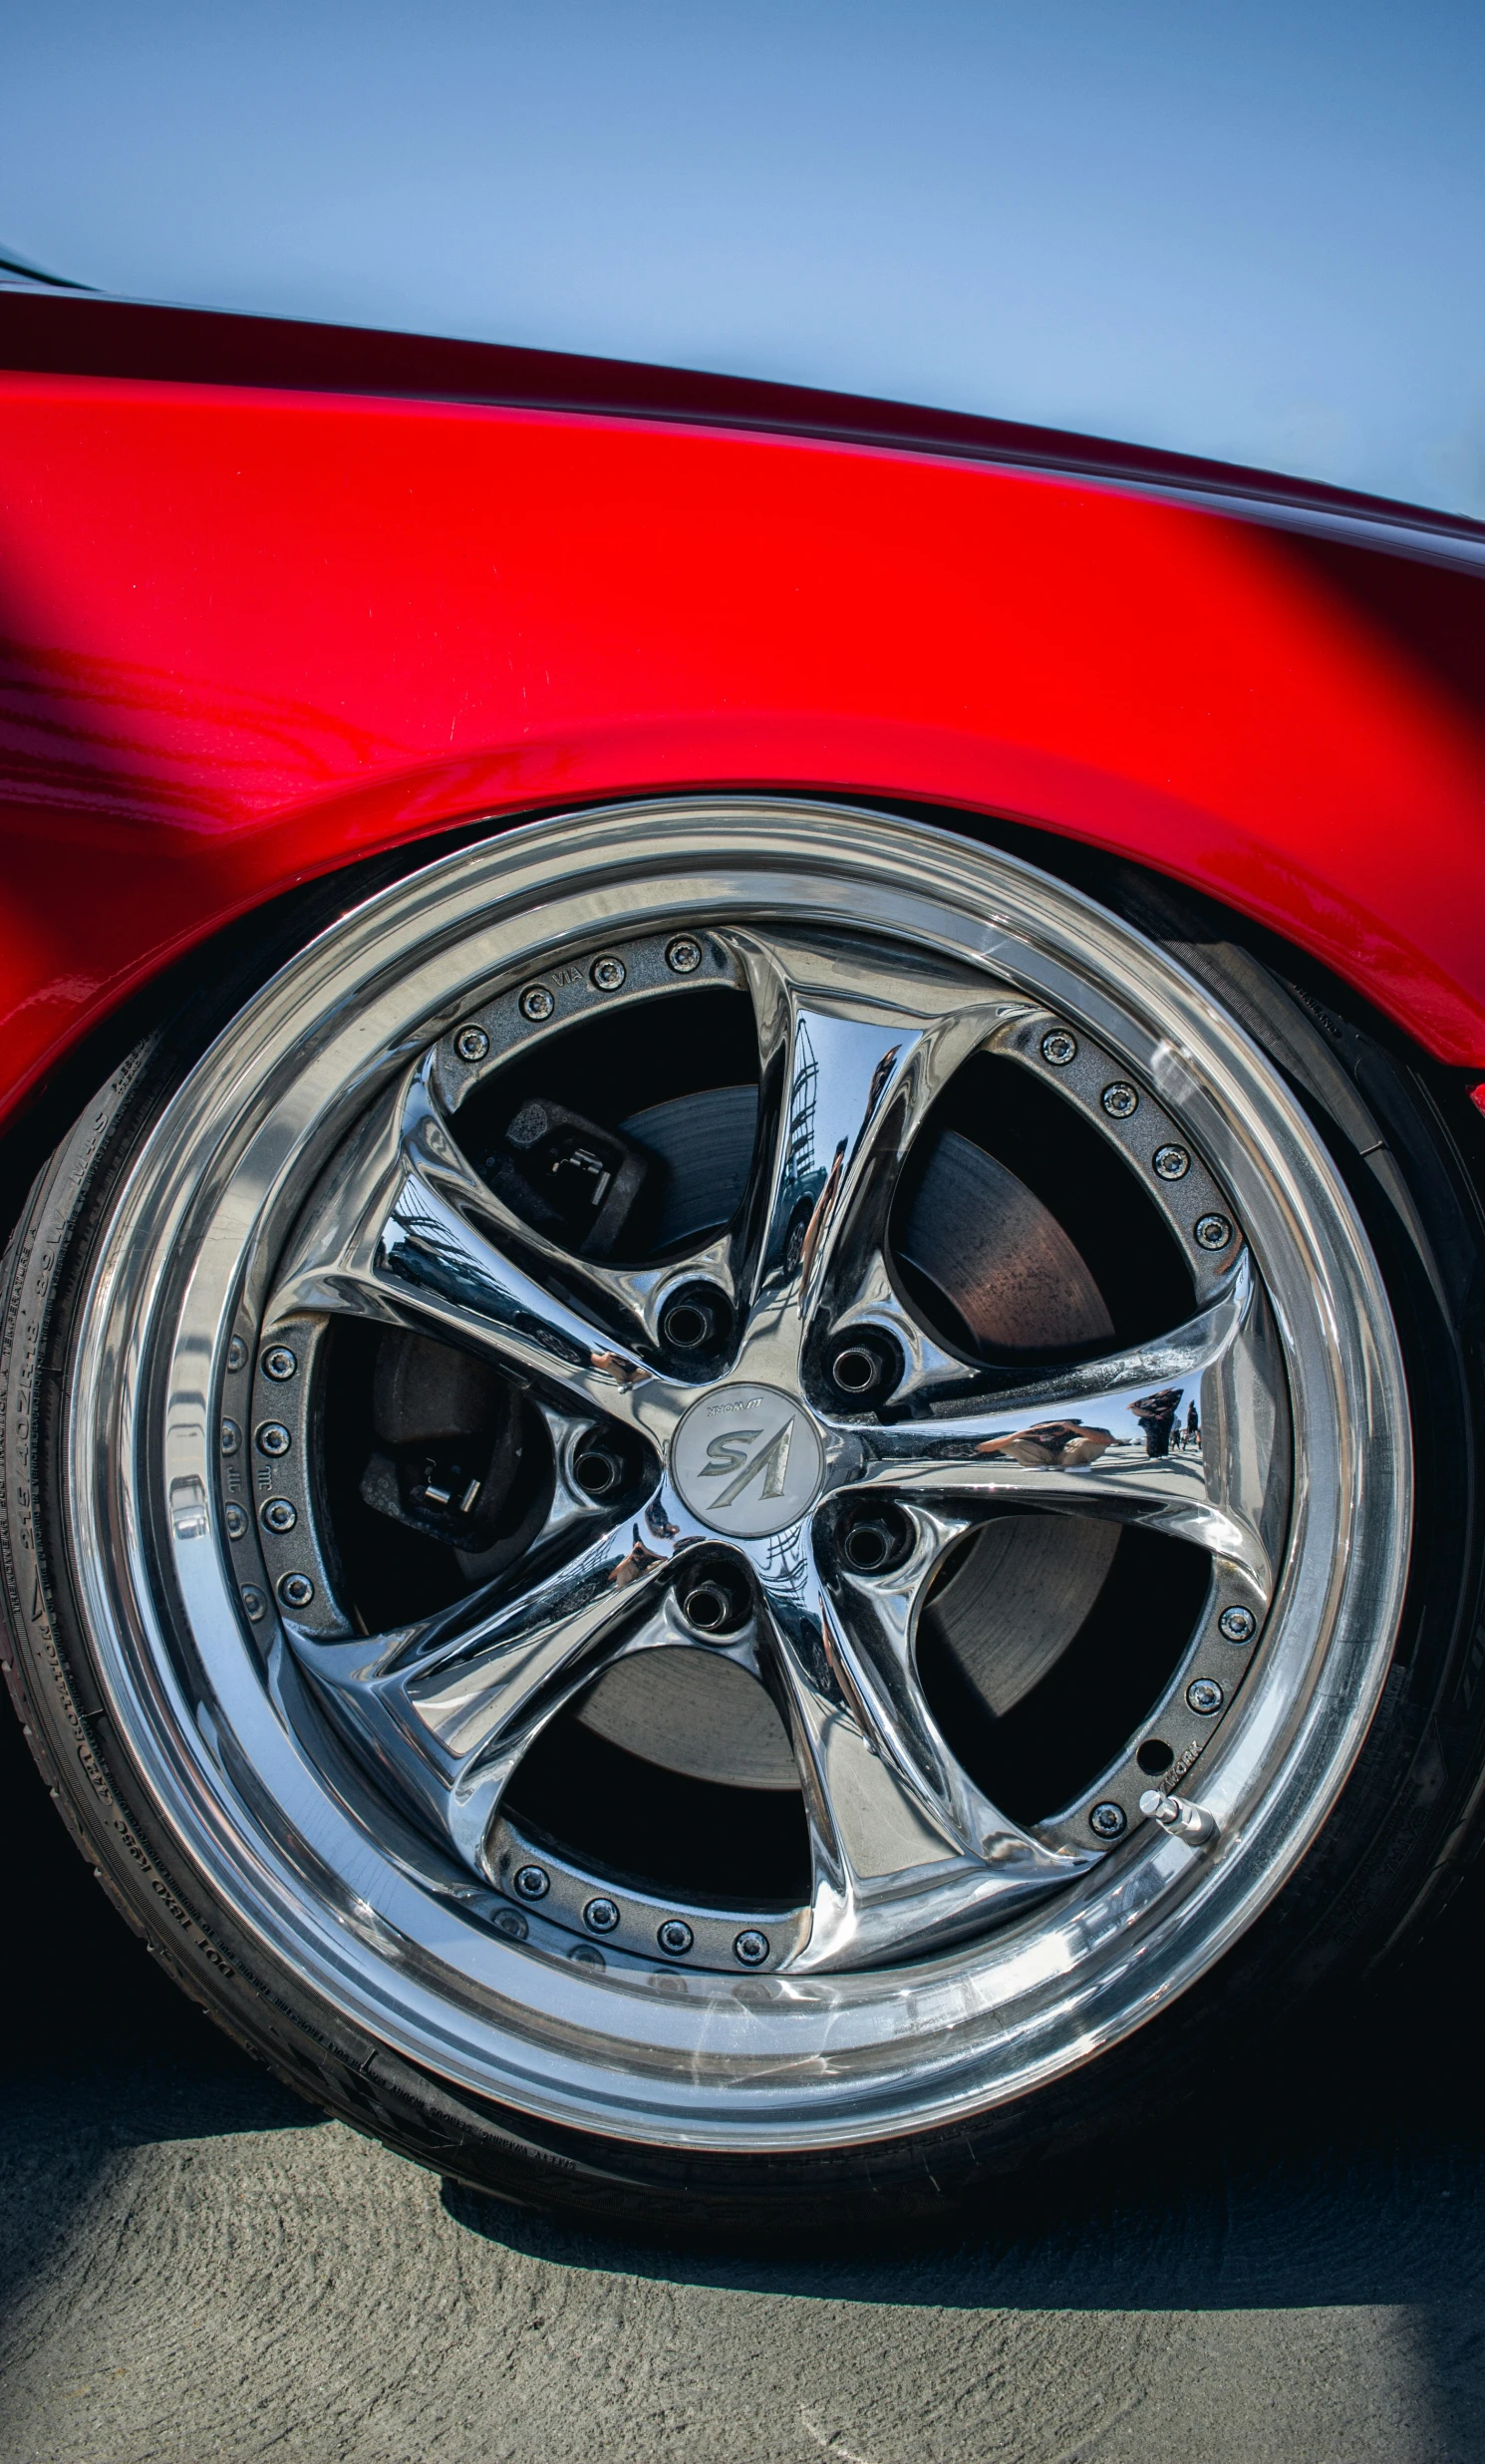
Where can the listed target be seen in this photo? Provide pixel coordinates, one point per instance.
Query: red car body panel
(254, 631)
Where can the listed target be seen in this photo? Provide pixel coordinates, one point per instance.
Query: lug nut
(1204, 1695)
(255, 1602)
(1213, 1232)
(865, 1368)
(675, 1937)
(235, 1520)
(1171, 1162)
(231, 1436)
(713, 1599)
(1058, 1046)
(1237, 1625)
(683, 955)
(694, 1320)
(236, 1353)
(471, 1044)
(607, 973)
(598, 1468)
(875, 1539)
(536, 1003)
(601, 1916)
(273, 1438)
(296, 1591)
(531, 1881)
(688, 1326)
(279, 1515)
(751, 1947)
(1108, 1821)
(1119, 1101)
(279, 1362)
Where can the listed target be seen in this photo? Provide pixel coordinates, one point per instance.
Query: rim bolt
(1119, 1099)
(607, 973)
(601, 1916)
(1058, 1046)
(236, 1353)
(536, 1003)
(875, 1539)
(1205, 1695)
(471, 1044)
(675, 1937)
(532, 1882)
(279, 1515)
(1171, 1162)
(296, 1591)
(255, 1602)
(683, 955)
(1213, 1232)
(231, 1436)
(751, 1947)
(511, 1922)
(273, 1438)
(1237, 1625)
(1108, 1820)
(279, 1362)
(235, 1520)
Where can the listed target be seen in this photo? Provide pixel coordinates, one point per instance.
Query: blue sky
(1252, 231)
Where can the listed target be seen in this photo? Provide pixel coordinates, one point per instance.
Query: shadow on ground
(193, 2263)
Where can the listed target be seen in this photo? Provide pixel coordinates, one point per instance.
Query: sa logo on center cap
(747, 1460)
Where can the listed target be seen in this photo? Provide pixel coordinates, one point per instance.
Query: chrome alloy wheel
(427, 1425)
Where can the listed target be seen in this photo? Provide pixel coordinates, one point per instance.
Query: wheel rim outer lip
(878, 2054)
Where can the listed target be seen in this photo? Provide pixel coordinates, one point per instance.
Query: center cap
(747, 1460)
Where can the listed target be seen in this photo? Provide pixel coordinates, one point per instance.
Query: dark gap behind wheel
(659, 1830)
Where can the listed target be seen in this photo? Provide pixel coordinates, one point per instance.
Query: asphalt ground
(195, 2266)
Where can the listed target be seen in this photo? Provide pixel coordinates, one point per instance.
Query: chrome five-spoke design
(817, 1468)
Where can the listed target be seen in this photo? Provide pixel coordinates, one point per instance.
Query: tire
(1291, 1587)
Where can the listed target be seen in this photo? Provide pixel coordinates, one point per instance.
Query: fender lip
(74, 332)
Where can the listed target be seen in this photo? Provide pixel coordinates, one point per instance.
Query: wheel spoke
(450, 1706)
(905, 1851)
(403, 1238)
(1097, 1437)
(847, 1078)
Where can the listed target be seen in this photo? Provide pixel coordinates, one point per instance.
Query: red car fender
(252, 634)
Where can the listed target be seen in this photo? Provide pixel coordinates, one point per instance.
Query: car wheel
(737, 1511)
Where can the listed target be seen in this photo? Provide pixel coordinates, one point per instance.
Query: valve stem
(1190, 1822)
